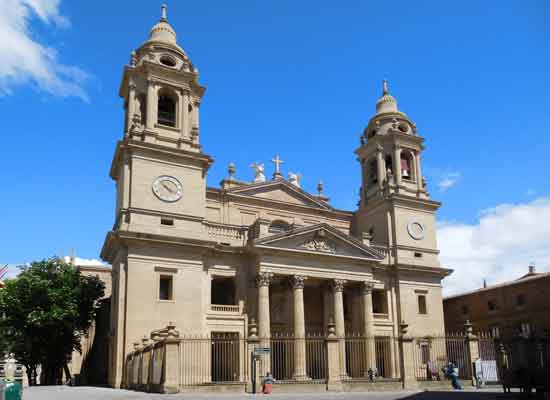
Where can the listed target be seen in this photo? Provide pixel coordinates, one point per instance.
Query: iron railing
(431, 354)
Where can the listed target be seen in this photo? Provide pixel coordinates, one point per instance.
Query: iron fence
(282, 358)
(371, 357)
(432, 354)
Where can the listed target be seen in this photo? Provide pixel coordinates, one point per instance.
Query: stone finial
(320, 188)
(385, 87)
(133, 58)
(231, 170)
(468, 329)
(163, 13)
(252, 328)
(171, 331)
(331, 328)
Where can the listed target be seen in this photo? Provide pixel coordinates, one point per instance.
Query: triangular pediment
(320, 239)
(280, 191)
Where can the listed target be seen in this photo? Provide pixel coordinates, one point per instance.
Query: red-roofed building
(505, 309)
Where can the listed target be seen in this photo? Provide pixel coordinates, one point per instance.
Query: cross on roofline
(277, 161)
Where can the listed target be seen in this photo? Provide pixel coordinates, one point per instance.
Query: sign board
(262, 350)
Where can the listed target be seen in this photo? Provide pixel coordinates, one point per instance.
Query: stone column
(131, 108)
(184, 107)
(418, 171)
(300, 372)
(381, 171)
(397, 164)
(152, 102)
(368, 328)
(263, 280)
(338, 297)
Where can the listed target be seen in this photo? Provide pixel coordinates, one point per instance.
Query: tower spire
(163, 13)
(385, 87)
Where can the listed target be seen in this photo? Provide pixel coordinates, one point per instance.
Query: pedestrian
(267, 384)
(451, 371)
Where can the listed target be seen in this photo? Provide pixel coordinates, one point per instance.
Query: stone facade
(90, 365)
(208, 260)
(505, 310)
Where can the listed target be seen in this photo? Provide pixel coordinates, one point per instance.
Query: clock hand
(167, 187)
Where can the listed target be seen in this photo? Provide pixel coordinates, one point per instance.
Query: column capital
(297, 281)
(379, 148)
(338, 285)
(263, 279)
(367, 287)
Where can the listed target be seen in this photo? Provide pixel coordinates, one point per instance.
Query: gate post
(171, 343)
(472, 351)
(253, 341)
(334, 378)
(406, 350)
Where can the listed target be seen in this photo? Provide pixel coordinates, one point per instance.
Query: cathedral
(265, 254)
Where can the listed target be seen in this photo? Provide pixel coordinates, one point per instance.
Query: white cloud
(85, 262)
(498, 248)
(448, 180)
(27, 61)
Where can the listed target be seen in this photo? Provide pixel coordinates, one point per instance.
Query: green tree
(44, 313)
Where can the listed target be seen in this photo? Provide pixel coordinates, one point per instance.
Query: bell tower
(161, 91)
(395, 209)
(159, 166)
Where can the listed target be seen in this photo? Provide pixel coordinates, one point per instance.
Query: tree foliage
(44, 313)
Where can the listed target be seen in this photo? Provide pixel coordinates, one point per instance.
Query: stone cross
(277, 161)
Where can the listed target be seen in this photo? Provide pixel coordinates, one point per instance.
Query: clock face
(416, 230)
(167, 188)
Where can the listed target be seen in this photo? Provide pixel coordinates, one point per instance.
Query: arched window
(142, 108)
(407, 171)
(279, 226)
(389, 164)
(166, 108)
(373, 171)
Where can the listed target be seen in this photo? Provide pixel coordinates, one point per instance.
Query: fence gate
(225, 358)
(487, 365)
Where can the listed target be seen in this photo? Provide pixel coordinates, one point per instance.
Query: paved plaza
(93, 393)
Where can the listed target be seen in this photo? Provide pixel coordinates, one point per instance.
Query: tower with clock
(395, 208)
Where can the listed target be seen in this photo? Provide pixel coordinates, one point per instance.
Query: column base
(335, 386)
(301, 378)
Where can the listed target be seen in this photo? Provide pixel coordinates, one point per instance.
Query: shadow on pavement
(464, 395)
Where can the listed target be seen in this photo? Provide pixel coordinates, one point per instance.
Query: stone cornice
(204, 160)
(278, 205)
(437, 271)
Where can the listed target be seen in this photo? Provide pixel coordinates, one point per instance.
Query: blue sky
(296, 78)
